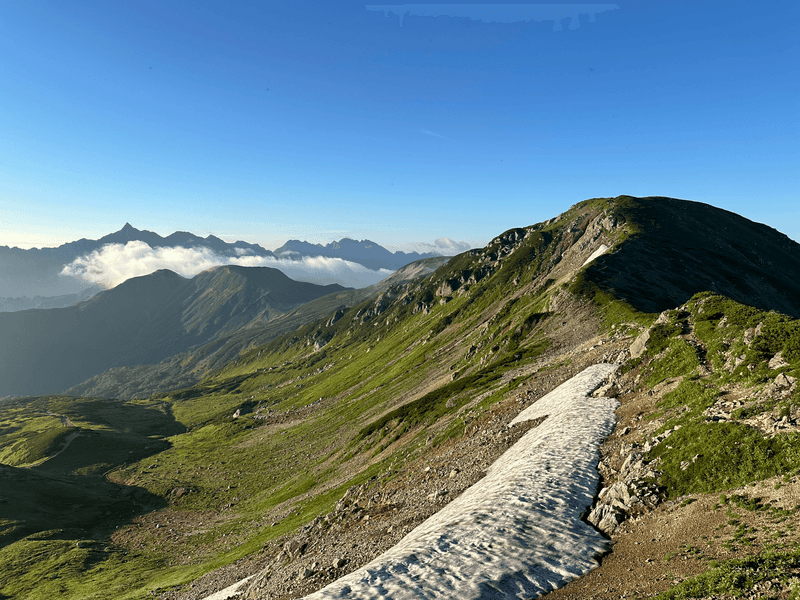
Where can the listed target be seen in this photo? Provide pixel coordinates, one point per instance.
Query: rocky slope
(292, 444)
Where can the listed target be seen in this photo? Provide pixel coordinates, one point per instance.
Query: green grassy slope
(352, 396)
(143, 320)
(187, 368)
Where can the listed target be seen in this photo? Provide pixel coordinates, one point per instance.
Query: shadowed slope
(142, 320)
(678, 248)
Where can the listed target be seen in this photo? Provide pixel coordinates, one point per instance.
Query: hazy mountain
(141, 321)
(365, 252)
(187, 368)
(35, 271)
(25, 303)
(314, 453)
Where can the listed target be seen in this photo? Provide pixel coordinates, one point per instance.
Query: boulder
(609, 390)
(294, 548)
(777, 361)
(606, 518)
(639, 345)
(448, 287)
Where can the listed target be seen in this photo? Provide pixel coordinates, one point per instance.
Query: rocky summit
(301, 460)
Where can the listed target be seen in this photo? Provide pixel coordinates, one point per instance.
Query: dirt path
(67, 442)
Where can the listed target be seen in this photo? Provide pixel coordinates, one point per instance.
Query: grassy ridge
(357, 394)
(290, 453)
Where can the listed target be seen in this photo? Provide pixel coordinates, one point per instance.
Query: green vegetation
(736, 577)
(686, 403)
(680, 360)
(350, 398)
(702, 455)
(708, 457)
(613, 310)
(335, 403)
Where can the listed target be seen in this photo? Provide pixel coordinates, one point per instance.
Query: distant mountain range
(187, 368)
(365, 252)
(332, 421)
(141, 321)
(36, 272)
(26, 303)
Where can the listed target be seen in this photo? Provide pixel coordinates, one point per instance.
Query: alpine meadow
(304, 458)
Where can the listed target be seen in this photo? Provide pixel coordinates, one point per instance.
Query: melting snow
(518, 532)
(231, 591)
(599, 252)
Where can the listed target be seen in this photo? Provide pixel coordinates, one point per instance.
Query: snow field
(517, 533)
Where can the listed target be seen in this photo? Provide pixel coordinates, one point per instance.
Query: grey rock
(777, 361)
(606, 518)
(609, 390)
(662, 318)
(618, 495)
(336, 316)
(294, 548)
(639, 345)
(448, 287)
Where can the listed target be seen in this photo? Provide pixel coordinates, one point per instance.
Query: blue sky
(266, 121)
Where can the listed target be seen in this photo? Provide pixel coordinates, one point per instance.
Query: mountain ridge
(187, 368)
(37, 271)
(142, 320)
(365, 252)
(305, 457)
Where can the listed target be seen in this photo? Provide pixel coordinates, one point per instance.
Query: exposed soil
(651, 552)
(677, 541)
(373, 517)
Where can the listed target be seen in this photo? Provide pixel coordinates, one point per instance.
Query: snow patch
(231, 591)
(518, 532)
(599, 252)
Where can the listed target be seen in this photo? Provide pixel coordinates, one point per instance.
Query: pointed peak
(127, 227)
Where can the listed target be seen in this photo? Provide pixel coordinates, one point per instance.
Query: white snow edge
(599, 252)
(518, 532)
(231, 591)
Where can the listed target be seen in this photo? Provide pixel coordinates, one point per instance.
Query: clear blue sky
(266, 121)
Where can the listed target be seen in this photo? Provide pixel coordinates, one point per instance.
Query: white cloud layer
(443, 246)
(114, 263)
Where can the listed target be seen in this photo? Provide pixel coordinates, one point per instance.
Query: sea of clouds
(443, 246)
(114, 263)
